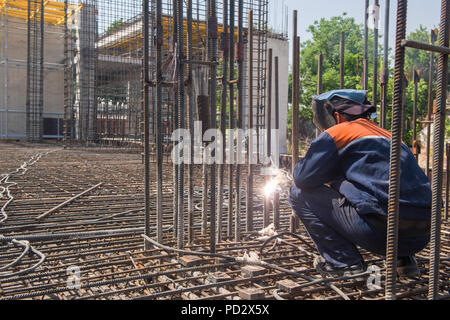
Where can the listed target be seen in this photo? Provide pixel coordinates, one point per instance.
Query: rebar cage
(102, 65)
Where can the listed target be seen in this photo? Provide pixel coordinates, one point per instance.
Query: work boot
(407, 267)
(325, 270)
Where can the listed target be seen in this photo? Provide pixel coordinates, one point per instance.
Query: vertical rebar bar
(66, 75)
(433, 37)
(249, 202)
(159, 151)
(268, 123)
(276, 195)
(319, 79)
(375, 60)
(395, 154)
(223, 114)
(366, 46)
(438, 152)
(341, 59)
(385, 75)
(190, 121)
(447, 180)
(231, 123)
(240, 109)
(181, 117)
(212, 55)
(295, 91)
(319, 73)
(295, 104)
(414, 120)
(40, 131)
(145, 29)
(175, 118)
(203, 104)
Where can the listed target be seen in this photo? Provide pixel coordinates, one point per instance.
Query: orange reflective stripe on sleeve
(346, 132)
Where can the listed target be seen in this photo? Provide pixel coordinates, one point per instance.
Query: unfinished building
(97, 49)
(109, 214)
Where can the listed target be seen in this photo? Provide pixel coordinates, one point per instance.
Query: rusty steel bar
(366, 47)
(68, 201)
(203, 105)
(319, 79)
(425, 46)
(231, 120)
(438, 152)
(375, 62)
(175, 120)
(181, 118)
(341, 60)
(433, 38)
(395, 155)
(295, 104)
(416, 80)
(158, 131)
(447, 181)
(404, 119)
(319, 73)
(240, 108)
(295, 92)
(249, 202)
(212, 56)
(268, 127)
(223, 109)
(190, 121)
(276, 195)
(67, 81)
(145, 30)
(385, 71)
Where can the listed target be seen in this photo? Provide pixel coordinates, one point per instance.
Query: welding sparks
(280, 181)
(270, 188)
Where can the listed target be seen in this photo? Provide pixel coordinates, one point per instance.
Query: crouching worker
(341, 188)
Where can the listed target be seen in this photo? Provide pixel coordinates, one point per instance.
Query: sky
(420, 12)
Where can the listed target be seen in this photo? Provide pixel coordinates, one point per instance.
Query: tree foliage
(326, 40)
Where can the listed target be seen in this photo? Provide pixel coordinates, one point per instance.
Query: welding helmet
(346, 101)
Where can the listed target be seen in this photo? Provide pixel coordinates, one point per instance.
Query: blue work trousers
(336, 228)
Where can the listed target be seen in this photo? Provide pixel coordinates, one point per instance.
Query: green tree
(326, 40)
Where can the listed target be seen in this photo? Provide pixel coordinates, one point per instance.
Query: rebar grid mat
(115, 266)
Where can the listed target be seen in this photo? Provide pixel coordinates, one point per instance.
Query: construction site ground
(116, 266)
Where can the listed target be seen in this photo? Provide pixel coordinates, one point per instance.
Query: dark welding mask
(346, 101)
(323, 114)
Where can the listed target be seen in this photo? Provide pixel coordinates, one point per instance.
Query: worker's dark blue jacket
(354, 156)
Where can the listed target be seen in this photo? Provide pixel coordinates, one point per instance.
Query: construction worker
(341, 188)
